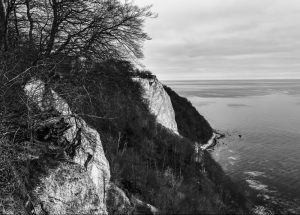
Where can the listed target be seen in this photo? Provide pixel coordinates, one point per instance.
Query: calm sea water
(265, 160)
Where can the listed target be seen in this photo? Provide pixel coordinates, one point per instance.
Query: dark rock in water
(240, 136)
(221, 135)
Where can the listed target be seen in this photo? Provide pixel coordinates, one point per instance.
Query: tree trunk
(2, 23)
(54, 28)
(30, 22)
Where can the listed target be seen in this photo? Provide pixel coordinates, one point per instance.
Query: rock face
(68, 189)
(159, 102)
(82, 186)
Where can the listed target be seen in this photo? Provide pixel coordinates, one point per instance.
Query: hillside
(190, 123)
(150, 168)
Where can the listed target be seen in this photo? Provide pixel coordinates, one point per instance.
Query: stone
(67, 189)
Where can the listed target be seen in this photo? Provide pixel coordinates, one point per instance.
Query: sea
(261, 121)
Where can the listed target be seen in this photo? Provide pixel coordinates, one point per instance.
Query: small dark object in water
(240, 136)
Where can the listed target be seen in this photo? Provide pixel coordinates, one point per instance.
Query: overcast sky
(223, 39)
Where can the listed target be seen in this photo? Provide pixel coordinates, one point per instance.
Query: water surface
(266, 113)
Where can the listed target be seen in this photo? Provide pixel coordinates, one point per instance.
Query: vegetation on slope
(146, 160)
(190, 123)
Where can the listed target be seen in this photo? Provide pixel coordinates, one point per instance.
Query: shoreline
(213, 141)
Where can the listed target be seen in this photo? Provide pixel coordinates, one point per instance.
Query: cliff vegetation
(148, 161)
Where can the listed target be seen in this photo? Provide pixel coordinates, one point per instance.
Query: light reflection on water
(267, 115)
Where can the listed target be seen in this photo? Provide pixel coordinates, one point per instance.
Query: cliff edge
(159, 102)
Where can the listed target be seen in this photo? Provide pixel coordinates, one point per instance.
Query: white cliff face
(92, 174)
(159, 102)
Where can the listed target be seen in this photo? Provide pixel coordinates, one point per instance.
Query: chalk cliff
(159, 102)
(81, 184)
(84, 180)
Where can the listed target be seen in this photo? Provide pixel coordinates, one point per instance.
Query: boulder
(89, 157)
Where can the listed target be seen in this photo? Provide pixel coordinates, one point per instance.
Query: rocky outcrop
(82, 186)
(159, 102)
(118, 202)
(67, 189)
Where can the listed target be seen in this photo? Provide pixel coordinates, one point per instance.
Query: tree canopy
(93, 29)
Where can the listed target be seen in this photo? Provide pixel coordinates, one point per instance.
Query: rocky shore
(213, 141)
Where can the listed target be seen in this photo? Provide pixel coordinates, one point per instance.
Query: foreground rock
(79, 187)
(68, 189)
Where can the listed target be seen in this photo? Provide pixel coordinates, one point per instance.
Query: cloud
(223, 39)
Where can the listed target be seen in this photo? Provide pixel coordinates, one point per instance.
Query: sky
(223, 39)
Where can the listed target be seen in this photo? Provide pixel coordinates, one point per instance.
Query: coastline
(213, 141)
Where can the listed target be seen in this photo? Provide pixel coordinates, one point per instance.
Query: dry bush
(20, 122)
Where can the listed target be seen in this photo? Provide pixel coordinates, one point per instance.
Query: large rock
(89, 156)
(67, 189)
(159, 102)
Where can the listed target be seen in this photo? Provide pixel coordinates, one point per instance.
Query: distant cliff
(173, 111)
(159, 102)
(190, 123)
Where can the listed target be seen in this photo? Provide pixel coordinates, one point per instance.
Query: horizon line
(237, 79)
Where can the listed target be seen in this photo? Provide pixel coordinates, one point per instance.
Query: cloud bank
(223, 39)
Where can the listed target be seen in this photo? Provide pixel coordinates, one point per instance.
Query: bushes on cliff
(189, 122)
(24, 157)
(146, 160)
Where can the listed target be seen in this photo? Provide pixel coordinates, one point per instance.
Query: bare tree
(6, 7)
(94, 29)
